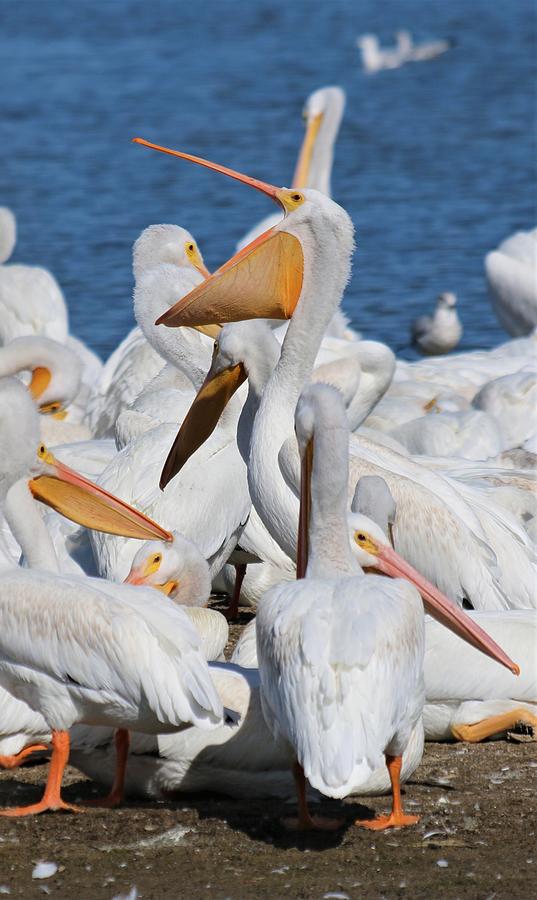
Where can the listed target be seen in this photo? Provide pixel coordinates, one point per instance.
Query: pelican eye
(157, 558)
(361, 537)
(42, 451)
(191, 248)
(297, 197)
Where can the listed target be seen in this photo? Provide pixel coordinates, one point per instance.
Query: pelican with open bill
(79, 499)
(263, 280)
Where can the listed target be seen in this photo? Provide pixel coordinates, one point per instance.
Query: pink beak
(441, 608)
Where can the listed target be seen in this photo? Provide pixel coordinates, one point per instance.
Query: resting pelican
(474, 699)
(511, 272)
(341, 655)
(298, 270)
(440, 332)
(137, 360)
(56, 372)
(32, 303)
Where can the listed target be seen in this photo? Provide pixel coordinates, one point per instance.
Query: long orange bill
(269, 189)
(304, 511)
(85, 503)
(202, 418)
(441, 608)
(263, 280)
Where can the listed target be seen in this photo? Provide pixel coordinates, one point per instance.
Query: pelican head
(178, 569)
(166, 244)
(55, 371)
(322, 114)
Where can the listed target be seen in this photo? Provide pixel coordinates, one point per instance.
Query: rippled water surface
(435, 162)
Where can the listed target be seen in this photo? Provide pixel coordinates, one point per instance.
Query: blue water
(435, 162)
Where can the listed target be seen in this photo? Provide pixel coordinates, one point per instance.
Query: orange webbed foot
(43, 806)
(380, 823)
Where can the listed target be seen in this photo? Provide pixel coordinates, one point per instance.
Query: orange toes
(380, 823)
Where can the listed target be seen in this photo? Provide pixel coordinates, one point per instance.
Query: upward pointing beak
(262, 281)
(302, 171)
(444, 610)
(269, 189)
(85, 503)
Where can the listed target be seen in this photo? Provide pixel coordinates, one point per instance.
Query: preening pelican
(440, 332)
(466, 552)
(341, 655)
(511, 272)
(55, 381)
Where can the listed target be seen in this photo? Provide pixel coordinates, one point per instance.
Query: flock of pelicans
(313, 476)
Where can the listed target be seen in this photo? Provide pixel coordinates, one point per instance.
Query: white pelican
(31, 300)
(179, 570)
(298, 269)
(241, 758)
(512, 401)
(32, 303)
(511, 272)
(341, 655)
(189, 504)
(440, 332)
(56, 372)
(137, 360)
(475, 699)
(109, 655)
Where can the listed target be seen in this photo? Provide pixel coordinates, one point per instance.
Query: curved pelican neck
(29, 530)
(185, 349)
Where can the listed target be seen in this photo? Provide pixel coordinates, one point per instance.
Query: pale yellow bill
(302, 171)
(87, 504)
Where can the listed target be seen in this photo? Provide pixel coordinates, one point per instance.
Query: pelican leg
(305, 821)
(116, 795)
(396, 819)
(495, 725)
(11, 762)
(233, 609)
(51, 799)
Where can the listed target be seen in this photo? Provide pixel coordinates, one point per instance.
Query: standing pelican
(341, 655)
(298, 270)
